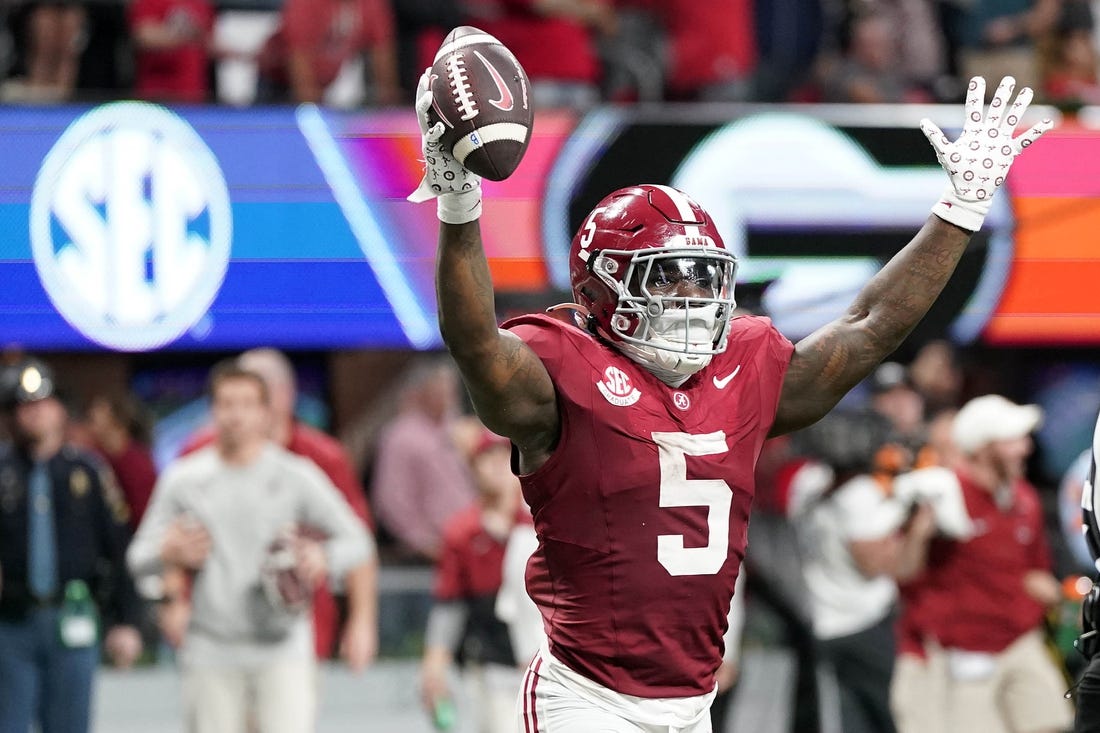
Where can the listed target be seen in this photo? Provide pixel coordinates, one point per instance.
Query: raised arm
(510, 388)
(829, 362)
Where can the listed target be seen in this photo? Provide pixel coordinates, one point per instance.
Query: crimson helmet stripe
(681, 204)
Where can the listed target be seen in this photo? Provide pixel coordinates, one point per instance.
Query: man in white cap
(971, 643)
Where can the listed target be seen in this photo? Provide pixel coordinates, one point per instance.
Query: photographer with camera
(972, 647)
(856, 536)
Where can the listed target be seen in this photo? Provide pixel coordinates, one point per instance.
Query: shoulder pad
(564, 319)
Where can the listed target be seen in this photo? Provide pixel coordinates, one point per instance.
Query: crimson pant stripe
(531, 696)
(526, 689)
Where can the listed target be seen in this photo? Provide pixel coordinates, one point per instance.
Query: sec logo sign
(131, 226)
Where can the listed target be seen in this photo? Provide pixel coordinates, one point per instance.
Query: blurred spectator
(420, 28)
(856, 537)
(514, 607)
(730, 670)
(997, 38)
(319, 38)
(55, 38)
(63, 522)
(893, 397)
(329, 455)
(774, 565)
(235, 515)
(972, 646)
(420, 478)
(554, 40)
(171, 41)
(935, 374)
(1068, 58)
(942, 448)
(241, 32)
(868, 72)
(711, 48)
(920, 40)
(119, 430)
(463, 625)
(789, 35)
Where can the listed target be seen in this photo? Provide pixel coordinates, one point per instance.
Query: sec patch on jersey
(480, 93)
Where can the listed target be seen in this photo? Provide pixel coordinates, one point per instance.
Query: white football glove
(456, 190)
(978, 161)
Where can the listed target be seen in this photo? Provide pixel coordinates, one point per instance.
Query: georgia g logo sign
(131, 226)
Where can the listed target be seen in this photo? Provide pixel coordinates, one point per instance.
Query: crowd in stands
(352, 53)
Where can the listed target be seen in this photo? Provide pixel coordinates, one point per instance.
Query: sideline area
(386, 698)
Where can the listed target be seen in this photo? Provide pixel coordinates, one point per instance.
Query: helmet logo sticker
(589, 232)
(617, 389)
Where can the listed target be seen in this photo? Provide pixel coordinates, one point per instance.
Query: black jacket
(91, 519)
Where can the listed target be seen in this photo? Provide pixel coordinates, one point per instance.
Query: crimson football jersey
(642, 509)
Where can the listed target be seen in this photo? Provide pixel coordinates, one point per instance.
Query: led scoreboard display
(131, 226)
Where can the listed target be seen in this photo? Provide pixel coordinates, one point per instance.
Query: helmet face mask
(672, 292)
(657, 281)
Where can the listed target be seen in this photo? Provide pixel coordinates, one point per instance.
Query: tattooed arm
(510, 388)
(828, 363)
(831, 361)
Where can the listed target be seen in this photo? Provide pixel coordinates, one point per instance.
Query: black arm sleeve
(1088, 501)
(1088, 700)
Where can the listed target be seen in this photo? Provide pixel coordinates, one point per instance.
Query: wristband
(968, 215)
(459, 208)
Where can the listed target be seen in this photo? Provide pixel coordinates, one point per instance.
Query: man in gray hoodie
(226, 515)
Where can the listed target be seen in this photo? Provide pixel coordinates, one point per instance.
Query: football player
(638, 413)
(1088, 690)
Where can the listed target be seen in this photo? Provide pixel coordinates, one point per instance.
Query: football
(480, 93)
(279, 577)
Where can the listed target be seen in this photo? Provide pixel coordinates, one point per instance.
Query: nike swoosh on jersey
(721, 383)
(506, 101)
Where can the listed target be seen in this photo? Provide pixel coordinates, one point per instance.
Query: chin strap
(665, 365)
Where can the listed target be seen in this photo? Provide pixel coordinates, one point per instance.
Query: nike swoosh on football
(506, 101)
(721, 383)
(435, 102)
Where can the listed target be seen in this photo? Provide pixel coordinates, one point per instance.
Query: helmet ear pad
(590, 293)
(602, 293)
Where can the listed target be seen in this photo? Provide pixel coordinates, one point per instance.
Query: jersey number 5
(679, 490)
